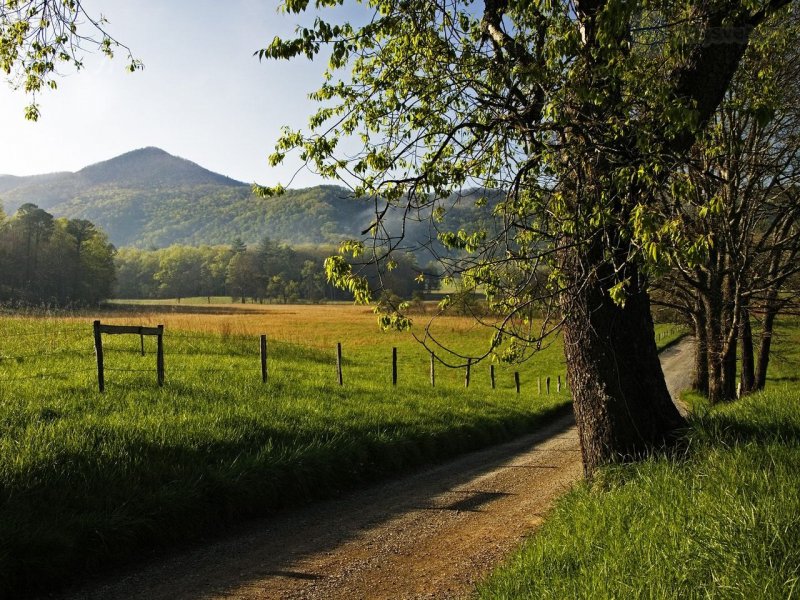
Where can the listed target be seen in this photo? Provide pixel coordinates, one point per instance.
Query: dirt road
(431, 534)
(677, 362)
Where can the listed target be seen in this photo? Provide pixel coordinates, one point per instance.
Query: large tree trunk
(748, 367)
(622, 406)
(730, 331)
(729, 370)
(721, 312)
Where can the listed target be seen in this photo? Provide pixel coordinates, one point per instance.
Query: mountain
(150, 198)
(151, 167)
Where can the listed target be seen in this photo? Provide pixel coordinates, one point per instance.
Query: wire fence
(75, 344)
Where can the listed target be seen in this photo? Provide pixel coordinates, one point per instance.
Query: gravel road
(431, 534)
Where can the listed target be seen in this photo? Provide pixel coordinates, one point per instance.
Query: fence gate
(100, 329)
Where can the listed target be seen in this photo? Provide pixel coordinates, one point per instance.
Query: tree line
(70, 262)
(267, 271)
(741, 194)
(64, 262)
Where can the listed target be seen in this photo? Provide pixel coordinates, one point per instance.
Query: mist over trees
(44, 260)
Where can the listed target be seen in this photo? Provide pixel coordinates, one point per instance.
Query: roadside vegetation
(90, 479)
(719, 521)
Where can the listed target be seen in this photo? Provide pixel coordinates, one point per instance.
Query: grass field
(720, 522)
(89, 479)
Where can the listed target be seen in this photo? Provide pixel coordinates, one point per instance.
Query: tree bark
(730, 331)
(764, 348)
(700, 381)
(729, 370)
(713, 309)
(622, 406)
(748, 367)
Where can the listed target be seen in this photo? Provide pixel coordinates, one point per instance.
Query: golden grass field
(318, 325)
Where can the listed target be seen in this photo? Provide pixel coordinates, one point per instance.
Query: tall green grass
(89, 479)
(720, 521)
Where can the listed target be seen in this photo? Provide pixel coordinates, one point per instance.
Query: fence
(261, 355)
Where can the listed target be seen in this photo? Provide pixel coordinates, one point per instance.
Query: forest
(50, 261)
(60, 262)
(269, 271)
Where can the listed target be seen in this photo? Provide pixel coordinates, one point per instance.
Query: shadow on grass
(731, 430)
(99, 514)
(189, 309)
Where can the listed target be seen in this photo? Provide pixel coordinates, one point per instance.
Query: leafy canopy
(577, 112)
(36, 36)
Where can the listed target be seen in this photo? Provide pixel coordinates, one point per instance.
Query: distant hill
(151, 168)
(150, 198)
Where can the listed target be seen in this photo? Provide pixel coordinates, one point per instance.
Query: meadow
(88, 480)
(718, 521)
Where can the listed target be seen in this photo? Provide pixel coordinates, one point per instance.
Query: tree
(312, 280)
(244, 277)
(54, 261)
(743, 194)
(37, 37)
(181, 272)
(577, 112)
(36, 226)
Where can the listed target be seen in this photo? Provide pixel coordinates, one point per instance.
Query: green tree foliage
(577, 112)
(53, 261)
(742, 192)
(37, 38)
(270, 271)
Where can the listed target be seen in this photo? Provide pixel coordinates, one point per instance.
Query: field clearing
(314, 325)
(90, 479)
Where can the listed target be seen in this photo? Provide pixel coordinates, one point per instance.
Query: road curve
(431, 534)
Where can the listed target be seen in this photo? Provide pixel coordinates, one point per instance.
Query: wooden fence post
(339, 361)
(491, 375)
(516, 380)
(558, 384)
(98, 350)
(160, 355)
(466, 375)
(394, 366)
(433, 370)
(547, 385)
(539, 385)
(263, 358)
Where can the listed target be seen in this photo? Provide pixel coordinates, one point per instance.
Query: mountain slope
(151, 167)
(149, 197)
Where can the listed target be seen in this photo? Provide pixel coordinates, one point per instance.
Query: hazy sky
(202, 94)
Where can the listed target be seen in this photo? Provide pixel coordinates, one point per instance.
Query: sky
(202, 94)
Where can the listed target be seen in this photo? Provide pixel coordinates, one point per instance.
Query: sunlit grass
(89, 478)
(719, 522)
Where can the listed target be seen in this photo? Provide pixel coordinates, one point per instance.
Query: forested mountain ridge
(149, 198)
